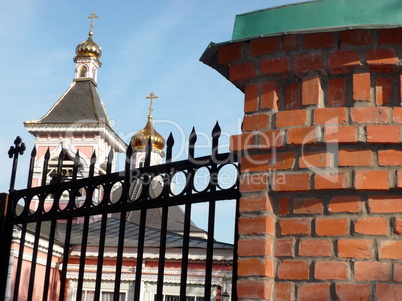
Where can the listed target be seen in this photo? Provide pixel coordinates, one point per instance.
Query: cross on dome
(92, 17)
(151, 98)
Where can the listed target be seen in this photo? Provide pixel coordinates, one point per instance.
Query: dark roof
(79, 104)
(152, 236)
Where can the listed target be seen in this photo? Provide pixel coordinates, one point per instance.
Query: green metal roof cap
(316, 16)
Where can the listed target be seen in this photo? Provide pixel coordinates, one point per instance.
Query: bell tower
(87, 56)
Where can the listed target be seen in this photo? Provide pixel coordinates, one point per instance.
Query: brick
(372, 226)
(390, 36)
(331, 226)
(229, 53)
(371, 271)
(289, 42)
(371, 179)
(332, 180)
(397, 272)
(383, 90)
(291, 182)
(315, 247)
(308, 62)
(355, 37)
(340, 134)
(307, 206)
(255, 203)
(312, 93)
(390, 157)
(383, 133)
(256, 122)
(283, 291)
(242, 142)
(295, 226)
(313, 291)
(397, 114)
(274, 65)
(241, 72)
(376, 115)
(355, 157)
(379, 57)
(256, 225)
(318, 40)
(271, 139)
(316, 159)
(284, 248)
(355, 248)
(255, 247)
(337, 92)
(259, 289)
(334, 270)
(269, 95)
(361, 87)
(390, 249)
(263, 46)
(343, 60)
(292, 96)
(303, 135)
(251, 98)
(270, 161)
(348, 204)
(388, 292)
(283, 206)
(385, 204)
(330, 116)
(293, 270)
(291, 118)
(254, 182)
(352, 292)
(255, 267)
(397, 225)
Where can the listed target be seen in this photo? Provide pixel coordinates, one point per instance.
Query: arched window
(83, 71)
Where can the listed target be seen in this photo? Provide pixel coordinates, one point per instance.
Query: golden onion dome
(89, 48)
(140, 140)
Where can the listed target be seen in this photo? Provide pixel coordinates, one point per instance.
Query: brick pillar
(321, 206)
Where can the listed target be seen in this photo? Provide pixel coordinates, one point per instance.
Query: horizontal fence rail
(60, 204)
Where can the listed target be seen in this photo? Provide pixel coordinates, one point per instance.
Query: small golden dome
(139, 140)
(89, 48)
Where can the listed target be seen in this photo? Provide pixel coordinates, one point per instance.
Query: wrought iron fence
(122, 192)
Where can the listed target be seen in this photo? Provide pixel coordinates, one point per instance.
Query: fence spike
(129, 153)
(60, 165)
(148, 150)
(76, 163)
(169, 148)
(92, 166)
(192, 140)
(31, 167)
(109, 161)
(216, 133)
(45, 166)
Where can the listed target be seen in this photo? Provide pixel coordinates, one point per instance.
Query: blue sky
(148, 46)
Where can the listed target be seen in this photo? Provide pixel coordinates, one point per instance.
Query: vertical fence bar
(211, 214)
(19, 262)
(143, 220)
(6, 239)
(66, 255)
(49, 260)
(164, 221)
(235, 245)
(34, 260)
(187, 217)
(81, 270)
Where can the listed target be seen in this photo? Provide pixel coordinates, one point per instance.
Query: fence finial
(17, 149)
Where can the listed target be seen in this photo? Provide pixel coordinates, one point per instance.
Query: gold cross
(93, 16)
(151, 97)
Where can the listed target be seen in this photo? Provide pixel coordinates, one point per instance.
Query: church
(77, 126)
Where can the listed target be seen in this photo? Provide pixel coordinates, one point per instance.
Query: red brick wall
(321, 206)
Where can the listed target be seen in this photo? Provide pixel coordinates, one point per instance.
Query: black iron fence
(119, 194)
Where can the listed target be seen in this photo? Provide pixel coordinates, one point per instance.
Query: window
(177, 298)
(105, 296)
